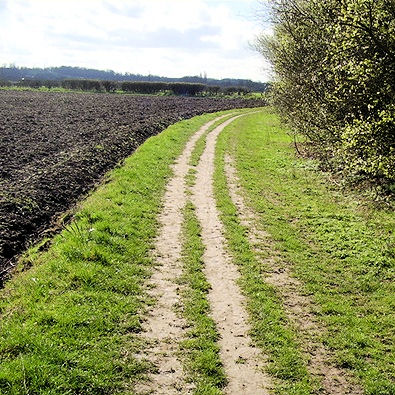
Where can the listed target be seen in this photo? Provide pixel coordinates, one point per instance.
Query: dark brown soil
(54, 147)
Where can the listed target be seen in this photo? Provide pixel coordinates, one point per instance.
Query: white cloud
(165, 37)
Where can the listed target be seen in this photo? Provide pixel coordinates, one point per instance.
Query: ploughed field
(55, 146)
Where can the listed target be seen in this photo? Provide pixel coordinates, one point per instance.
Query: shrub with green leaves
(335, 70)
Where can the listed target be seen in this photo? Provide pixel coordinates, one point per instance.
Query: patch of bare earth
(163, 328)
(242, 361)
(299, 307)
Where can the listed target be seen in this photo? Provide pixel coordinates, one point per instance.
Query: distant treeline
(143, 87)
(14, 74)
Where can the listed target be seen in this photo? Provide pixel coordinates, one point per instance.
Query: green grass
(68, 325)
(200, 349)
(341, 249)
(270, 328)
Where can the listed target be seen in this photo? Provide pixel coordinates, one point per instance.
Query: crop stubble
(54, 147)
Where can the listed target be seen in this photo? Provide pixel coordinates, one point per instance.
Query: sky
(171, 38)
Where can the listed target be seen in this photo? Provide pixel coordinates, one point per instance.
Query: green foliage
(335, 67)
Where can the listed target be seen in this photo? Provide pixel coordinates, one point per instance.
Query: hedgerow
(141, 87)
(335, 67)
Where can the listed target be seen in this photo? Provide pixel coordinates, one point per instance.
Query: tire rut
(242, 361)
(298, 307)
(163, 328)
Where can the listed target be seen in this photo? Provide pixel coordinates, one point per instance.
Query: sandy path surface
(164, 328)
(241, 360)
(335, 381)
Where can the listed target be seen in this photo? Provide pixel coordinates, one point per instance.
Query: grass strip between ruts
(68, 324)
(340, 248)
(200, 350)
(271, 330)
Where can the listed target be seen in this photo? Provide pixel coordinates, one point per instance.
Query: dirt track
(226, 300)
(165, 328)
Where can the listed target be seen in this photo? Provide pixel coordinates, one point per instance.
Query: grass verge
(341, 249)
(270, 328)
(200, 349)
(67, 325)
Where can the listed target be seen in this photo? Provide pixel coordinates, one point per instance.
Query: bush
(213, 89)
(109, 86)
(5, 83)
(51, 84)
(148, 87)
(335, 66)
(30, 83)
(71, 84)
(232, 90)
(82, 84)
(144, 87)
(186, 89)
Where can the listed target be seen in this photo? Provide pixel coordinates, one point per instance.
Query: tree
(335, 65)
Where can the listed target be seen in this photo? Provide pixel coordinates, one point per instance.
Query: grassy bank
(68, 324)
(342, 250)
